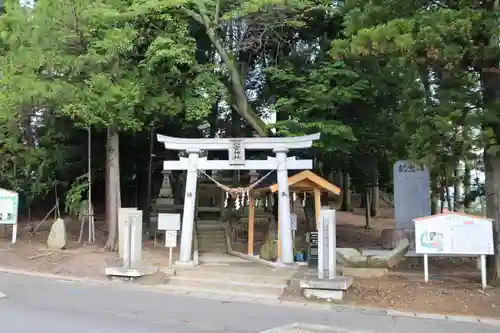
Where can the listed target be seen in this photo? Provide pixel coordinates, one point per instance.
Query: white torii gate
(236, 148)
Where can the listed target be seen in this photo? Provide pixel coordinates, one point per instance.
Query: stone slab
(185, 264)
(364, 273)
(411, 193)
(338, 283)
(325, 295)
(129, 272)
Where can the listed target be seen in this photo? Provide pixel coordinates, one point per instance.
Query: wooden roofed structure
(303, 182)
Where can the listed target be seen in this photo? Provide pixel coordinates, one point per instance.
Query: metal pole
(147, 211)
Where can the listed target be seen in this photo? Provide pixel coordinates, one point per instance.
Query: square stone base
(185, 264)
(129, 273)
(324, 295)
(326, 289)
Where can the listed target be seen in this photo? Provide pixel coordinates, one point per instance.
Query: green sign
(9, 202)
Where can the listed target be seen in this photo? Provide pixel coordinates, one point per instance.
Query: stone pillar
(189, 207)
(284, 207)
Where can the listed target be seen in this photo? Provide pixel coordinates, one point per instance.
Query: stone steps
(206, 241)
(210, 233)
(211, 240)
(227, 286)
(211, 236)
(211, 249)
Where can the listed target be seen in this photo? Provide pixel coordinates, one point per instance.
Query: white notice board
(168, 221)
(454, 233)
(171, 238)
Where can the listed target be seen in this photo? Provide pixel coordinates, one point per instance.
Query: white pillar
(332, 245)
(284, 208)
(189, 207)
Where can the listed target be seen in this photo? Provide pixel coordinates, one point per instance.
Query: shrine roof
(298, 181)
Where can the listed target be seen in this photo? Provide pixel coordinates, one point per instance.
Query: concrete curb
(268, 301)
(453, 318)
(51, 276)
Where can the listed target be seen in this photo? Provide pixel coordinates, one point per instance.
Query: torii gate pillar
(236, 149)
(189, 206)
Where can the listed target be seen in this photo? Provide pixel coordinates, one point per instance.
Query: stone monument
(411, 198)
(326, 284)
(124, 216)
(57, 236)
(130, 246)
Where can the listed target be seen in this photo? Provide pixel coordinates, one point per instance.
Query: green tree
(97, 69)
(452, 47)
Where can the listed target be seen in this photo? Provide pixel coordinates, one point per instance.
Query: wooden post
(222, 209)
(251, 224)
(317, 205)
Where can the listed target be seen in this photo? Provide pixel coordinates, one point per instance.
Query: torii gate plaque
(236, 148)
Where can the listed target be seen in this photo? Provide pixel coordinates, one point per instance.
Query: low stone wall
(391, 237)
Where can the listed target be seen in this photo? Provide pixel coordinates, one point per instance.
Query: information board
(454, 233)
(9, 202)
(169, 221)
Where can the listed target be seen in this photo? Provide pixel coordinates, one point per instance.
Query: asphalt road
(48, 306)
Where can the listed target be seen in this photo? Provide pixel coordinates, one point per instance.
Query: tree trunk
(434, 194)
(457, 197)
(441, 198)
(467, 185)
(490, 79)
(237, 87)
(375, 193)
(362, 202)
(368, 219)
(346, 192)
(448, 198)
(492, 184)
(112, 187)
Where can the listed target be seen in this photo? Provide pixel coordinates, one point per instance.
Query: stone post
(284, 207)
(189, 207)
